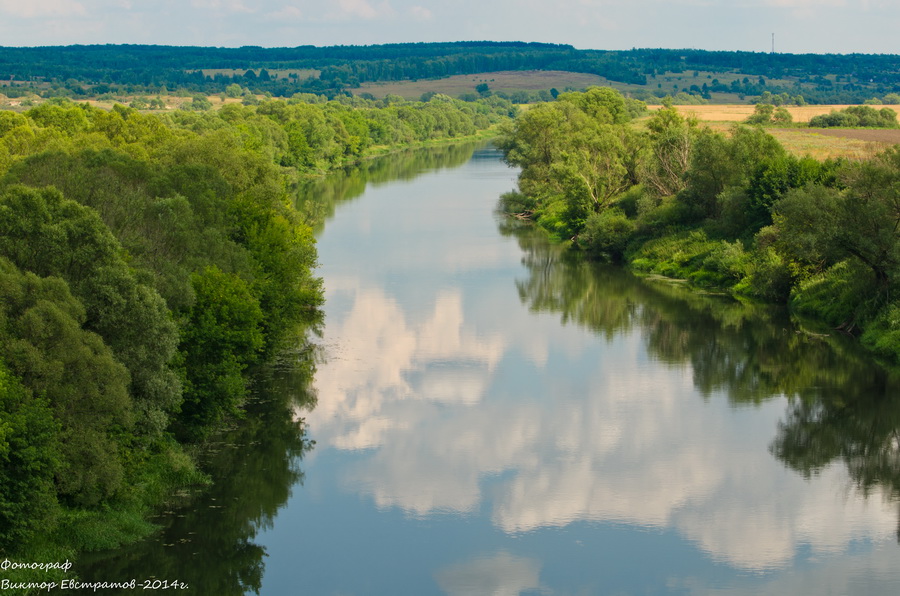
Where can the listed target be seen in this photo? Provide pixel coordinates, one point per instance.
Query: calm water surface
(492, 416)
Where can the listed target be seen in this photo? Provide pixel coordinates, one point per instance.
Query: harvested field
(507, 81)
(820, 143)
(739, 113)
(824, 143)
(888, 136)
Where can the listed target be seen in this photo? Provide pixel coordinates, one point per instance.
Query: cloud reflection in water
(602, 435)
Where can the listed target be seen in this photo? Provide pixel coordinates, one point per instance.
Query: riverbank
(191, 266)
(736, 212)
(458, 350)
(381, 151)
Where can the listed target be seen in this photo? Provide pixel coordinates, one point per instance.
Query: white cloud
(227, 6)
(501, 574)
(361, 9)
(873, 572)
(42, 8)
(806, 3)
(286, 13)
(380, 347)
(421, 13)
(610, 448)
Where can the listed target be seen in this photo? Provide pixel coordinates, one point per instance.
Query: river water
(490, 415)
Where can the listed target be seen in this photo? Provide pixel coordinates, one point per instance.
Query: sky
(799, 26)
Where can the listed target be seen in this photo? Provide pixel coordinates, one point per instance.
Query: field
(820, 143)
(506, 81)
(740, 112)
(532, 80)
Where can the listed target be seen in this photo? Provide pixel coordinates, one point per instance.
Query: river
(492, 415)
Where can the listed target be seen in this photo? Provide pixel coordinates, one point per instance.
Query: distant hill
(133, 69)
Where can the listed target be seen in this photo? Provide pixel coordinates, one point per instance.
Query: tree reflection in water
(316, 198)
(841, 405)
(207, 535)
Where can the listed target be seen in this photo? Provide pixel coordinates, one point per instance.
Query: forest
(733, 212)
(149, 264)
(90, 71)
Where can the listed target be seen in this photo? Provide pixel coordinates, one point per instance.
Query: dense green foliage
(735, 211)
(28, 461)
(146, 264)
(576, 154)
(80, 71)
(862, 116)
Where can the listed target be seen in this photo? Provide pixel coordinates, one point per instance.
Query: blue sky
(820, 26)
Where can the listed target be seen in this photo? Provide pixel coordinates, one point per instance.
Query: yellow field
(820, 143)
(739, 113)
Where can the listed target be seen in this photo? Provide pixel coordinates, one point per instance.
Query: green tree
(67, 120)
(222, 338)
(719, 162)
(865, 116)
(762, 114)
(46, 346)
(29, 461)
(671, 140)
(590, 172)
(42, 232)
(820, 226)
(604, 104)
(782, 116)
(774, 177)
(200, 103)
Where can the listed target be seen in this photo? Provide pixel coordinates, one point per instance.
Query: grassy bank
(728, 210)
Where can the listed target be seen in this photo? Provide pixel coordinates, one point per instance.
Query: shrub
(552, 218)
(762, 114)
(607, 233)
(515, 202)
(882, 336)
(838, 295)
(663, 217)
(865, 116)
(767, 277)
(675, 255)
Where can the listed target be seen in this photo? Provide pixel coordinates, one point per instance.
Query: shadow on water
(840, 404)
(207, 534)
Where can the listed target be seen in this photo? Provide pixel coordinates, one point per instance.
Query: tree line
(137, 69)
(733, 211)
(147, 264)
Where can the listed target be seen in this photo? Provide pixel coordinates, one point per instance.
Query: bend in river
(492, 415)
